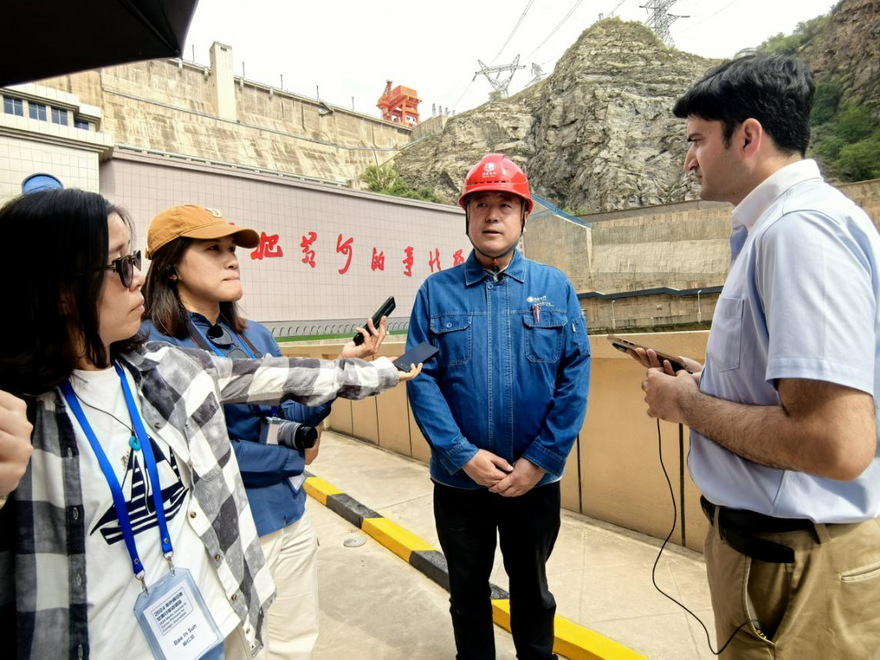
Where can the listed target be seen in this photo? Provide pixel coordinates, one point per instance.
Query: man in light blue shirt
(782, 416)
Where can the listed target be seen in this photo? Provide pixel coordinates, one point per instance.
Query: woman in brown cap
(129, 535)
(191, 292)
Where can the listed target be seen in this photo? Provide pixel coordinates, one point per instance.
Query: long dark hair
(52, 272)
(162, 303)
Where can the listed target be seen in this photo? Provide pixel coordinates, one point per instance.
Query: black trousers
(527, 526)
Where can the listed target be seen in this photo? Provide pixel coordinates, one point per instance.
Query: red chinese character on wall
(344, 248)
(378, 262)
(434, 260)
(457, 258)
(408, 262)
(268, 247)
(308, 252)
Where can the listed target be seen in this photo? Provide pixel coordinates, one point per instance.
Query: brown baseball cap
(195, 222)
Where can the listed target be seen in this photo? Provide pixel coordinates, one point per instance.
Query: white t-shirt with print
(112, 588)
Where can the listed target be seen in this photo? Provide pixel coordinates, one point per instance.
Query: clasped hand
(499, 476)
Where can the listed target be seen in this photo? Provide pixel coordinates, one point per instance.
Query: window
(79, 123)
(13, 106)
(40, 181)
(59, 116)
(37, 111)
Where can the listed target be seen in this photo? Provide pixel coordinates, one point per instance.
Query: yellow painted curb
(320, 489)
(501, 613)
(394, 537)
(579, 643)
(572, 641)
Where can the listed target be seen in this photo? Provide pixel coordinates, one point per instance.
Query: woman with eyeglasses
(129, 535)
(191, 292)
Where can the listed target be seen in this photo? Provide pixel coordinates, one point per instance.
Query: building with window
(48, 131)
(13, 106)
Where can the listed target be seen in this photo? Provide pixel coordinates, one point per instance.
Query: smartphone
(385, 310)
(624, 345)
(421, 353)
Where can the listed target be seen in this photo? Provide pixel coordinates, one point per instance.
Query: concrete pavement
(374, 605)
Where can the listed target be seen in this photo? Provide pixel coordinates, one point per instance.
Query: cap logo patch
(488, 169)
(214, 212)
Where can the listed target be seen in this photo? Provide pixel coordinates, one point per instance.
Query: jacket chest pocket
(454, 336)
(545, 335)
(725, 339)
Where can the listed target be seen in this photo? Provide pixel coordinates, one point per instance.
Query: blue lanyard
(115, 489)
(244, 346)
(273, 411)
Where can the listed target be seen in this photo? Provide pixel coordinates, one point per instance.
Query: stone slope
(595, 135)
(848, 49)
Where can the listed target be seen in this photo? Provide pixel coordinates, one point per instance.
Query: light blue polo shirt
(800, 302)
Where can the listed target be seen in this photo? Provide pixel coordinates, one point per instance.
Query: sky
(344, 51)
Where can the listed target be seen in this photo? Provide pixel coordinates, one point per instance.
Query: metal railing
(326, 327)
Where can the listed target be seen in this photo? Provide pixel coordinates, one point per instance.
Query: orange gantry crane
(400, 105)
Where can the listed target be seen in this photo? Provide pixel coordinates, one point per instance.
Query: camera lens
(305, 437)
(297, 436)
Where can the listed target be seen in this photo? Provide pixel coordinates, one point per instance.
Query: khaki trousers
(292, 630)
(825, 605)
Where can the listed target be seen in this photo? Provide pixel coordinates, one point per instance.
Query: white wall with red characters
(328, 254)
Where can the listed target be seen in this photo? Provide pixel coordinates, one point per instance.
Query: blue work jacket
(265, 469)
(513, 371)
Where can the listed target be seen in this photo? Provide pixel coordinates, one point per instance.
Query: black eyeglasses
(220, 337)
(124, 267)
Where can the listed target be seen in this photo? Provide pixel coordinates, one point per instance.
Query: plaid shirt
(43, 590)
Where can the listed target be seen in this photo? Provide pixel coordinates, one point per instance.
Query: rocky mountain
(596, 135)
(843, 51)
(847, 48)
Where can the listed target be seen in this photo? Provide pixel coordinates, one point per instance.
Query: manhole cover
(354, 541)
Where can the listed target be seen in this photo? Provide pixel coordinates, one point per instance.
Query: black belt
(737, 527)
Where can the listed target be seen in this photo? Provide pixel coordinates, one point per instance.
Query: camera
(297, 436)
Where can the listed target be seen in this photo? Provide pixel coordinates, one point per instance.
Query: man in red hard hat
(496, 176)
(501, 407)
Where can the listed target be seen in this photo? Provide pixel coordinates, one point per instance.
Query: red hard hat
(497, 173)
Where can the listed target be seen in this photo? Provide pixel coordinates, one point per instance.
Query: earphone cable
(663, 546)
(101, 410)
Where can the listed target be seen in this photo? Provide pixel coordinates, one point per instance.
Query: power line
(693, 25)
(616, 8)
(513, 31)
(455, 105)
(561, 23)
(556, 57)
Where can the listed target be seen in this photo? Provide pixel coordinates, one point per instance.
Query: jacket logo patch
(539, 301)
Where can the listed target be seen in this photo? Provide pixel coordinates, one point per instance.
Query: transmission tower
(499, 83)
(659, 19)
(537, 73)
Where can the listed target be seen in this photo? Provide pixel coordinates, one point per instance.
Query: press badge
(175, 619)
